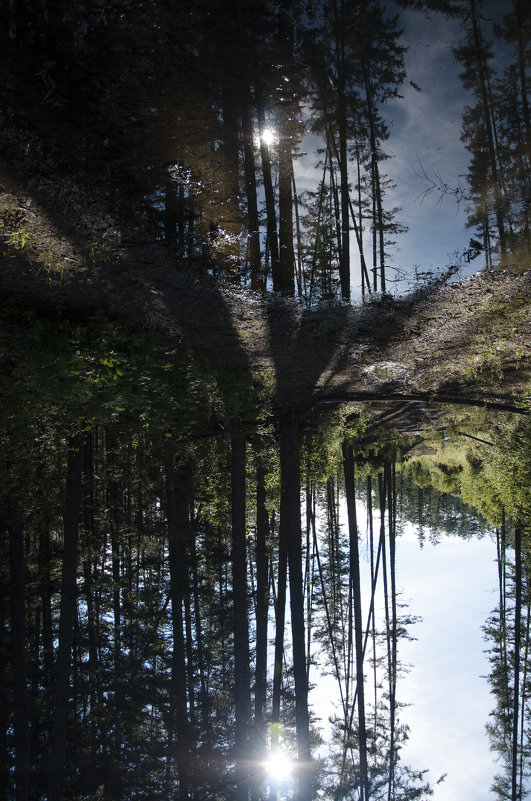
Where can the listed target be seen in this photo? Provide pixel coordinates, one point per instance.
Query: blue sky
(451, 589)
(425, 129)
(453, 586)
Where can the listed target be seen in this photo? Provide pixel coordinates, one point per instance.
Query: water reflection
(453, 583)
(168, 605)
(189, 673)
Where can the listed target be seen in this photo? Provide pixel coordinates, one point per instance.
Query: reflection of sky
(425, 132)
(425, 129)
(452, 586)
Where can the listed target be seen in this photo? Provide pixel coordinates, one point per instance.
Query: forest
(220, 416)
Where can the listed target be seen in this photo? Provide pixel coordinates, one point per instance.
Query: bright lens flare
(268, 137)
(278, 766)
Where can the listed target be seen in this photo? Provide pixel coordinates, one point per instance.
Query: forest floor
(467, 341)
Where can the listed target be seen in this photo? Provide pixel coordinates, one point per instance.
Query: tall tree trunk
(190, 676)
(271, 214)
(280, 619)
(66, 616)
(344, 263)
(198, 632)
(501, 554)
(46, 602)
(284, 282)
(5, 779)
(357, 221)
(520, 14)
(372, 618)
(290, 483)
(299, 273)
(262, 594)
(88, 582)
(354, 566)
(116, 583)
(18, 649)
(240, 621)
(230, 217)
(392, 634)
(262, 586)
(177, 522)
(253, 225)
(515, 791)
(489, 126)
(378, 215)
(383, 487)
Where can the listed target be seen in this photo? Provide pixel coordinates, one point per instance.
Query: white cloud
(449, 696)
(425, 134)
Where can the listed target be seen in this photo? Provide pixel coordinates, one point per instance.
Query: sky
(425, 132)
(450, 588)
(452, 585)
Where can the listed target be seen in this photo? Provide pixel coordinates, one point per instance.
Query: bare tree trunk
(378, 215)
(290, 482)
(18, 649)
(46, 602)
(177, 522)
(515, 793)
(116, 583)
(262, 595)
(285, 283)
(520, 13)
(271, 215)
(392, 634)
(262, 585)
(489, 126)
(280, 617)
(241, 628)
(5, 779)
(66, 616)
(299, 273)
(253, 226)
(199, 632)
(502, 624)
(230, 216)
(344, 263)
(348, 468)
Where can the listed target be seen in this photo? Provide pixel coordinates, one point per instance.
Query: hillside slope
(63, 255)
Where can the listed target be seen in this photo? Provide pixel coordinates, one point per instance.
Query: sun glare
(278, 766)
(268, 136)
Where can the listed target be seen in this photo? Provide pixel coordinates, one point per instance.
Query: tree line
(494, 56)
(488, 470)
(187, 123)
(148, 647)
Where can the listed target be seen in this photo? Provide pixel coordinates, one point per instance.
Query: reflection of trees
(496, 130)
(148, 558)
(367, 734)
(492, 473)
(144, 555)
(507, 631)
(433, 508)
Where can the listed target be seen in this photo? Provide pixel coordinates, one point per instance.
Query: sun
(278, 766)
(268, 137)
